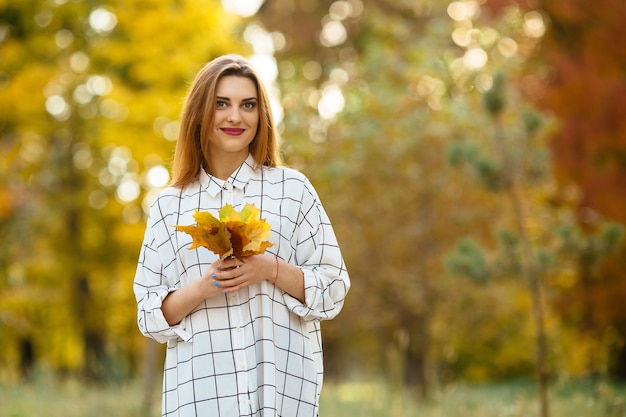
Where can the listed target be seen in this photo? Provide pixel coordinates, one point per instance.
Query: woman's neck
(222, 166)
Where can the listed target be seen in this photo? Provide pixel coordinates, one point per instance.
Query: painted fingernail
(219, 267)
(217, 284)
(214, 276)
(225, 291)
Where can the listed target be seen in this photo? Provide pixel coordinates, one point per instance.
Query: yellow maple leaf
(239, 234)
(257, 232)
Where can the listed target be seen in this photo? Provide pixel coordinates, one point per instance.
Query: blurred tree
(514, 172)
(586, 90)
(583, 84)
(517, 171)
(409, 79)
(90, 96)
(375, 93)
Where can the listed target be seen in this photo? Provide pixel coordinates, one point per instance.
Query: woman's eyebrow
(245, 99)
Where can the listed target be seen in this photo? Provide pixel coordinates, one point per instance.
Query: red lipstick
(233, 131)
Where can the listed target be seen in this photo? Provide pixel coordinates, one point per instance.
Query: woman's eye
(249, 105)
(221, 104)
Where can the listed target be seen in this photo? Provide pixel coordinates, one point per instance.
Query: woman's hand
(233, 274)
(183, 301)
(221, 277)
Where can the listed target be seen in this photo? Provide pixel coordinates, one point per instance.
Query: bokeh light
(157, 176)
(534, 25)
(463, 10)
(243, 8)
(475, 58)
(333, 33)
(128, 190)
(63, 38)
(331, 102)
(58, 107)
(102, 21)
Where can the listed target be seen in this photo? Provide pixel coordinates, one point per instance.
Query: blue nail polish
(214, 276)
(217, 284)
(219, 267)
(225, 291)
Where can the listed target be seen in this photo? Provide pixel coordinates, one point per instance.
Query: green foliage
(494, 99)
(461, 152)
(610, 237)
(545, 260)
(531, 120)
(592, 246)
(490, 174)
(509, 240)
(507, 262)
(468, 259)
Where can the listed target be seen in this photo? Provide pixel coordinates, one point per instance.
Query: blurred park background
(471, 155)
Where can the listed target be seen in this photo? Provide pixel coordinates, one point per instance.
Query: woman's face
(236, 116)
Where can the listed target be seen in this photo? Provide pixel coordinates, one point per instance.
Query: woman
(243, 338)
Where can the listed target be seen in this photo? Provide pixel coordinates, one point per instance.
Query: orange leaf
(239, 234)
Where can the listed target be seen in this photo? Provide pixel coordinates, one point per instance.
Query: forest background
(471, 155)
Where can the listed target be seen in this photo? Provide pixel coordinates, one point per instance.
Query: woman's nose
(234, 115)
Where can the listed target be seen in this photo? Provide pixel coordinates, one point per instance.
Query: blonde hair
(192, 147)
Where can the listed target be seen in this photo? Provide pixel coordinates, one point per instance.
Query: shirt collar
(238, 179)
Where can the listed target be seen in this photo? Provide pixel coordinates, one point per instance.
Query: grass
(507, 399)
(51, 398)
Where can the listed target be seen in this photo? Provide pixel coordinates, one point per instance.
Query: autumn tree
(516, 167)
(586, 89)
(376, 94)
(90, 97)
(409, 78)
(580, 79)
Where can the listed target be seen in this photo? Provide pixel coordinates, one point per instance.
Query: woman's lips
(233, 131)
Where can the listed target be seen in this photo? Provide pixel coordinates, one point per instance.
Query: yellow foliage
(60, 295)
(237, 234)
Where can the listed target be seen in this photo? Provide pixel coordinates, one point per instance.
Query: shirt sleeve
(326, 280)
(151, 286)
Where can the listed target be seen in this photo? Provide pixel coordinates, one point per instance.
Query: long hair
(192, 148)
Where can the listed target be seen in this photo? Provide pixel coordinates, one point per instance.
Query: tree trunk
(530, 270)
(416, 356)
(150, 376)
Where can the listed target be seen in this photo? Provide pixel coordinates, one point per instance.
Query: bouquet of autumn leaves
(237, 234)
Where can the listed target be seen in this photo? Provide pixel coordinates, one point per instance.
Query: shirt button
(242, 366)
(228, 186)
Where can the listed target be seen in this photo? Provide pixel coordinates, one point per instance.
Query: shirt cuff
(311, 296)
(164, 330)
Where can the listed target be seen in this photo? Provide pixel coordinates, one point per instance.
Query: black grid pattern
(256, 352)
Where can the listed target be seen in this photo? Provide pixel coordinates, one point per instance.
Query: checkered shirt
(258, 351)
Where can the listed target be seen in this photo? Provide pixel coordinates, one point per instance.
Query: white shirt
(257, 351)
